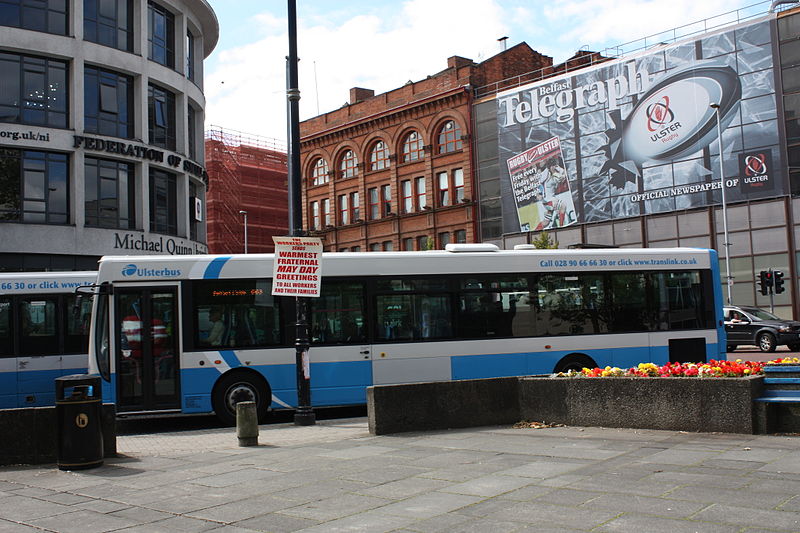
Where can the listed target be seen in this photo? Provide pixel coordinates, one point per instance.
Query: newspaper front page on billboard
(638, 135)
(541, 188)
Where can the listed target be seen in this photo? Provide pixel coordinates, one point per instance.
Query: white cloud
(384, 46)
(246, 91)
(588, 22)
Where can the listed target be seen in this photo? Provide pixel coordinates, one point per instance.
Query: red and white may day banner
(297, 266)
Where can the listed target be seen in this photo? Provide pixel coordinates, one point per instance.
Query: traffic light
(777, 280)
(765, 280)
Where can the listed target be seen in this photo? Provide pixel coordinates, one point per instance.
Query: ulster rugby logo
(659, 114)
(755, 165)
(754, 169)
(672, 119)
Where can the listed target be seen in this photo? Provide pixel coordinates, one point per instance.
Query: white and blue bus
(196, 334)
(42, 334)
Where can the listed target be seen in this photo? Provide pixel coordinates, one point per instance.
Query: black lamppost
(304, 415)
(726, 244)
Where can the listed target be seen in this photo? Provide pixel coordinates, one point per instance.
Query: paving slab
(335, 476)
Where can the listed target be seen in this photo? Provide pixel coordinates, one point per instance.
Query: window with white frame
(348, 166)
(413, 148)
(326, 212)
(314, 215)
(449, 138)
(379, 156)
(419, 191)
(319, 172)
(344, 212)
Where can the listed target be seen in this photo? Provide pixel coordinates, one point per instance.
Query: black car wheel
(766, 342)
(794, 347)
(731, 347)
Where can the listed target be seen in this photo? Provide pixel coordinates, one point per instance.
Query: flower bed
(785, 361)
(712, 369)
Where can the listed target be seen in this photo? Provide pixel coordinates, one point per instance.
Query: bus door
(39, 351)
(8, 363)
(147, 349)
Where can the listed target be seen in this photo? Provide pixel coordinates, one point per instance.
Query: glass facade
(161, 35)
(96, 156)
(108, 103)
(38, 15)
(163, 202)
(161, 117)
(34, 187)
(33, 90)
(109, 22)
(110, 193)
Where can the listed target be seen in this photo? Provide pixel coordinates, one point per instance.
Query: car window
(763, 315)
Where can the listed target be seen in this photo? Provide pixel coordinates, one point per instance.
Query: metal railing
(615, 52)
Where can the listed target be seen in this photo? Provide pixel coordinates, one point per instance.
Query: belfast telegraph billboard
(638, 135)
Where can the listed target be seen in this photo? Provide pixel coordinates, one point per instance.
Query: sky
(382, 44)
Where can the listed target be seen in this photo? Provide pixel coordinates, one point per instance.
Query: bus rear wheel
(240, 387)
(574, 362)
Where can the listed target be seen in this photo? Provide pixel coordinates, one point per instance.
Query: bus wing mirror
(93, 289)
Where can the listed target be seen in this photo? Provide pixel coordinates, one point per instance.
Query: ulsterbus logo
(133, 270)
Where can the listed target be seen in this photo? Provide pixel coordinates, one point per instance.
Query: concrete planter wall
(31, 435)
(442, 404)
(680, 404)
(683, 404)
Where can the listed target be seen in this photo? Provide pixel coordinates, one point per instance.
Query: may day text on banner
(297, 268)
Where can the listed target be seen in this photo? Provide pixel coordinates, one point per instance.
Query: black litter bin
(79, 406)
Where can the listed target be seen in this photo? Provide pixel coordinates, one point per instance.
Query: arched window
(412, 147)
(319, 172)
(449, 139)
(379, 156)
(349, 164)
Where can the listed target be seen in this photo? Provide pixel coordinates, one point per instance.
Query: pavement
(335, 476)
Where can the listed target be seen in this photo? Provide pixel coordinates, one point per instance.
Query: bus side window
(337, 316)
(6, 344)
(39, 331)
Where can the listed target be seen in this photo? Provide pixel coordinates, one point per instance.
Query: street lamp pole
(726, 244)
(244, 213)
(304, 414)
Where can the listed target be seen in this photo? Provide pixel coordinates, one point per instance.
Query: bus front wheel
(238, 387)
(574, 362)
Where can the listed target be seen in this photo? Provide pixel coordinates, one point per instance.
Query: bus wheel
(574, 362)
(238, 387)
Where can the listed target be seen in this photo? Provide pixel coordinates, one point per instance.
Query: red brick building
(396, 171)
(246, 173)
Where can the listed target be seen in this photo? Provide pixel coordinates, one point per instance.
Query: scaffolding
(246, 173)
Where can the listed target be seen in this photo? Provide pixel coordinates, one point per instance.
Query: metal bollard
(247, 423)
